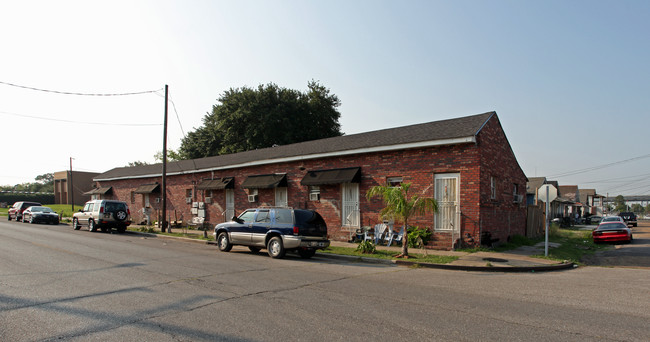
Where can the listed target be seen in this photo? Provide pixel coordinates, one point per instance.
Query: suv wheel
(275, 248)
(75, 224)
(223, 242)
(91, 226)
(120, 215)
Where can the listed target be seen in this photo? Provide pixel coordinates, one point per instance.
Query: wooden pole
(163, 221)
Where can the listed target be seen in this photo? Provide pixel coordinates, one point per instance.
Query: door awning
(265, 181)
(217, 184)
(147, 189)
(333, 176)
(99, 191)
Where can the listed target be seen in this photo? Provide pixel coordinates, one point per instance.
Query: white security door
(350, 213)
(230, 204)
(281, 197)
(447, 194)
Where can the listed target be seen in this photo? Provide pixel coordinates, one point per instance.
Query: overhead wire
(78, 93)
(80, 122)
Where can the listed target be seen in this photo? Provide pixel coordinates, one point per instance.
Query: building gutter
(443, 142)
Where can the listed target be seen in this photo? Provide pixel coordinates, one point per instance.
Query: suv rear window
(114, 206)
(309, 217)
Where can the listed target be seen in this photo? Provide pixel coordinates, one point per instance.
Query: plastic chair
(380, 229)
(396, 237)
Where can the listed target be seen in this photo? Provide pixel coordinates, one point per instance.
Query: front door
(230, 205)
(281, 197)
(350, 199)
(447, 194)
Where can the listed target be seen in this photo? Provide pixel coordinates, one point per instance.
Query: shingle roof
(450, 130)
(534, 183)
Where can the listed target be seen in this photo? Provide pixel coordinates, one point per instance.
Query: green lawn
(65, 209)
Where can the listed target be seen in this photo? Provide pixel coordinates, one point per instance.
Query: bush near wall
(11, 198)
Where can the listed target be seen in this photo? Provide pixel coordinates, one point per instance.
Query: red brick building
(466, 164)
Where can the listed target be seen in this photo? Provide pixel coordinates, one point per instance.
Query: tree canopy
(247, 119)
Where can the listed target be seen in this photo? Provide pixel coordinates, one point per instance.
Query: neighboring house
(65, 181)
(592, 201)
(466, 163)
(570, 196)
(532, 186)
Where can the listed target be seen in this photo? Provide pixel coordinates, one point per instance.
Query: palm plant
(401, 206)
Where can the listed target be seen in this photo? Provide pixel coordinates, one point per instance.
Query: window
(247, 216)
(515, 189)
(493, 187)
(394, 181)
(263, 216)
(283, 216)
(188, 193)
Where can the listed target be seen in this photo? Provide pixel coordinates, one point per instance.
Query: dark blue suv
(277, 229)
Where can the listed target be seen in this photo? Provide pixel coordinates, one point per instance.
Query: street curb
(350, 258)
(513, 269)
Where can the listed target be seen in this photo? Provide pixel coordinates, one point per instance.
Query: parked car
(103, 214)
(629, 218)
(592, 219)
(36, 214)
(612, 232)
(277, 229)
(16, 211)
(612, 219)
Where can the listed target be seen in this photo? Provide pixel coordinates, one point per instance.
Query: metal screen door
(230, 204)
(447, 194)
(281, 197)
(350, 197)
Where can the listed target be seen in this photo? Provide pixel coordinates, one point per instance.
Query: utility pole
(71, 187)
(163, 221)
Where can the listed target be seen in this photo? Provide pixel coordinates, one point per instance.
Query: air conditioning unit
(314, 197)
(518, 198)
(201, 205)
(188, 200)
(252, 198)
(208, 200)
(195, 204)
(157, 199)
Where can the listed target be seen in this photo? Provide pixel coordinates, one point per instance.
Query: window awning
(147, 189)
(217, 184)
(333, 176)
(99, 191)
(265, 181)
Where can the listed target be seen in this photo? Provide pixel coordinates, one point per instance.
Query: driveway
(636, 254)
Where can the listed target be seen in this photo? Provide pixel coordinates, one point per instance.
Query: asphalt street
(61, 284)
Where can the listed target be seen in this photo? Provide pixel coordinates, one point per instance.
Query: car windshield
(616, 225)
(611, 219)
(41, 209)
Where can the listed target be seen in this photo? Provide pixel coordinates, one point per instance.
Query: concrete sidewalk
(518, 260)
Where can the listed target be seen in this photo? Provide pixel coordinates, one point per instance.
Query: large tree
(247, 119)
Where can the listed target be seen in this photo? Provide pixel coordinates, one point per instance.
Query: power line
(77, 93)
(80, 122)
(598, 167)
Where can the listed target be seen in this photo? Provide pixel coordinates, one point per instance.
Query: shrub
(418, 236)
(366, 247)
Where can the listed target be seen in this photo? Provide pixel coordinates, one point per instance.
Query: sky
(569, 80)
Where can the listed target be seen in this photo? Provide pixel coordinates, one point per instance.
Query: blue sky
(569, 79)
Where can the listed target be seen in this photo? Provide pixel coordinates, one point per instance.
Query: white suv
(103, 214)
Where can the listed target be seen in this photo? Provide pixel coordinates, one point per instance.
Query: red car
(612, 232)
(16, 211)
